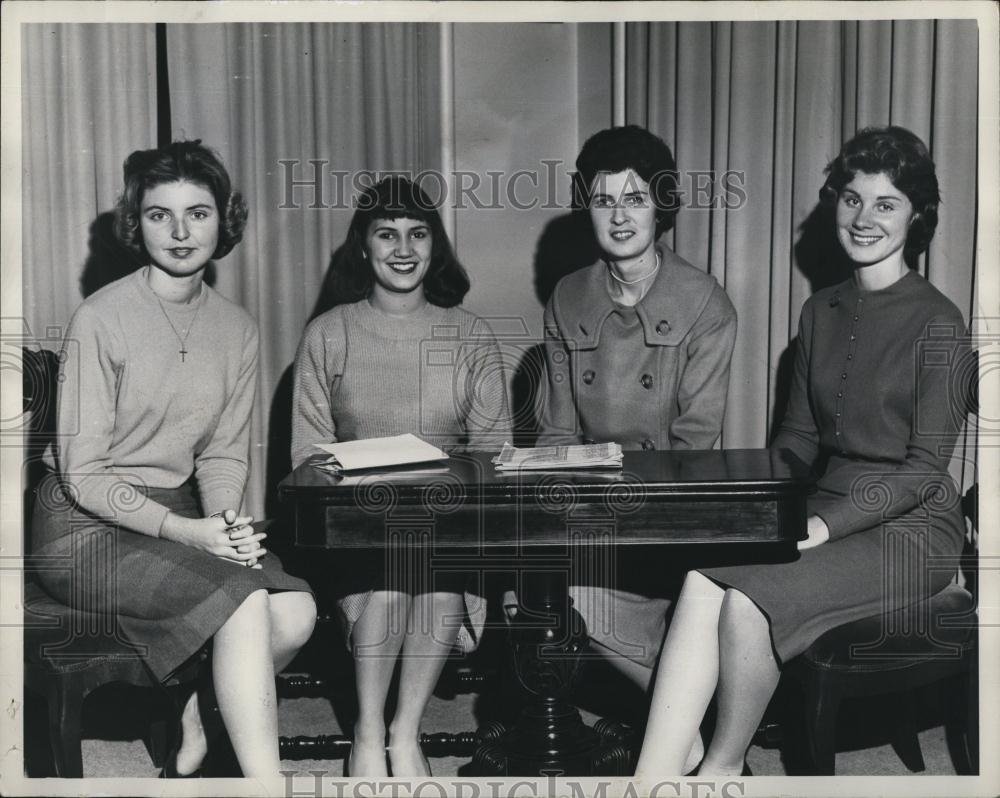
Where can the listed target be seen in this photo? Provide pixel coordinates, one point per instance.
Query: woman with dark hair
(637, 351)
(363, 370)
(161, 370)
(881, 457)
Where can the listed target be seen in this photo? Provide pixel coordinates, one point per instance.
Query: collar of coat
(670, 308)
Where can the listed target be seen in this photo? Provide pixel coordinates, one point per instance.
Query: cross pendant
(183, 352)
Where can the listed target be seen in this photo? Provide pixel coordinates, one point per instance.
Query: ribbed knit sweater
(361, 373)
(130, 412)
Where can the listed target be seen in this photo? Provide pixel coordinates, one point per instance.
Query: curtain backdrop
(348, 97)
(775, 101)
(88, 100)
(771, 100)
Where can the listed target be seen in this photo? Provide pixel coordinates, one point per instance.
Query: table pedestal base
(559, 744)
(550, 738)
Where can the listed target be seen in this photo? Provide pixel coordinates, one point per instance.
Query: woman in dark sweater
(881, 456)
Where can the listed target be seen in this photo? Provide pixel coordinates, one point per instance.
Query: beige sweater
(360, 373)
(131, 412)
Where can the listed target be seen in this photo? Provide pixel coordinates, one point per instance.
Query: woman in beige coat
(637, 350)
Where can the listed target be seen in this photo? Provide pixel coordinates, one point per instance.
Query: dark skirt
(169, 599)
(872, 571)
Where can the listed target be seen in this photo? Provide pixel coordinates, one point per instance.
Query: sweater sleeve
(922, 477)
(92, 357)
(702, 390)
(221, 468)
(797, 432)
(319, 363)
(559, 423)
(487, 413)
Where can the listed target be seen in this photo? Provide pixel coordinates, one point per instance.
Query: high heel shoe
(170, 769)
(423, 757)
(170, 766)
(349, 771)
(745, 772)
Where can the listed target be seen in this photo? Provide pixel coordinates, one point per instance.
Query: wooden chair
(68, 654)
(64, 666)
(930, 642)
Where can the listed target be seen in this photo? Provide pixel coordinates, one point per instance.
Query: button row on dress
(646, 380)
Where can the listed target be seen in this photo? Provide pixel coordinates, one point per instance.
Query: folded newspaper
(377, 453)
(594, 455)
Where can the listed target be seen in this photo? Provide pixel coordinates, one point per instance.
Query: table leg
(550, 737)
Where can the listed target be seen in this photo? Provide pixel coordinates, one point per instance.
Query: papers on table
(595, 455)
(377, 453)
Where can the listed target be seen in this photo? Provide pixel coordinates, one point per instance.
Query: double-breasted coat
(651, 376)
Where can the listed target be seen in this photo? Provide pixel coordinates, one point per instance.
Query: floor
(113, 726)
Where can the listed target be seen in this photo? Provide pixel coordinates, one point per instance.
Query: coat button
(646, 380)
(663, 327)
(648, 445)
(588, 376)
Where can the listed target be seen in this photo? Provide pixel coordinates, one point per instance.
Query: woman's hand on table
(225, 535)
(818, 533)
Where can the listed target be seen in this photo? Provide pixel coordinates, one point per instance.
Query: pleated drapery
(772, 103)
(88, 100)
(299, 103)
(752, 110)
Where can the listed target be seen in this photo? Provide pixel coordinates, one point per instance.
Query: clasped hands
(242, 537)
(226, 535)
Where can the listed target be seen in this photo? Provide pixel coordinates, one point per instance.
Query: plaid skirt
(169, 599)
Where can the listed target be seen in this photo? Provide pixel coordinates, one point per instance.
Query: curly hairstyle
(630, 147)
(351, 277)
(904, 159)
(180, 160)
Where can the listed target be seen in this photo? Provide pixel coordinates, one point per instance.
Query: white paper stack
(595, 455)
(378, 453)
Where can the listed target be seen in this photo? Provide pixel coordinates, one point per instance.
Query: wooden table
(463, 514)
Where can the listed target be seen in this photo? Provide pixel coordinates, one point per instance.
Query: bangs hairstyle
(904, 159)
(630, 147)
(181, 160)
(351, 276)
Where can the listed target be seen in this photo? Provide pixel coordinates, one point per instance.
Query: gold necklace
(183, 341)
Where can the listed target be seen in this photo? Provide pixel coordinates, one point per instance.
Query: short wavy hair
(351, 276)
(617, 149)
(903, 157)
(180, 160)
